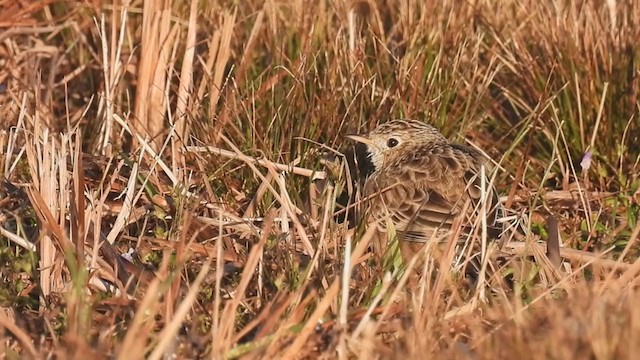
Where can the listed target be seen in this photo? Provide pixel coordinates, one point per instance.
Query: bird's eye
(392, 142)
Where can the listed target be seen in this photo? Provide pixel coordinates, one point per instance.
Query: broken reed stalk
(313, 174)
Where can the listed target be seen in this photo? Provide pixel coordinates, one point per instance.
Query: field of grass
(165, 190)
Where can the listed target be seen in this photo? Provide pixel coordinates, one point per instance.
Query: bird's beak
(361, 139)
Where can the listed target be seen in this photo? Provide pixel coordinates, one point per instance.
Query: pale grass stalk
(213, 45)
(134, 343)
(224, 52)
(599, 116)
(366, 320)
(284, 221)
(285, 202)
(327, 300)
(633, 239)
(398, 290)
(321, 308)
(112, 72)
(262, 189)
(167, 91)
(586, 205)
(148, 50)
(157, 39)
(148, 149)
(170, 174)
(583, 140)
(347, 268)
(249, 46)
(126, 216)
(77, 200)
(215, 326)
(9, 167)
(283, 330)
(313, 174)
(313, 202)
(11, 144)
(487, 249)
(77, 305)
(48, 162)
(17, 239)
(548, 168)
(97, 208)
(326, 217)
(24, 338)
(270, 315)
(225, 332)
(623, 149)
(30, 30)
(351, 26)
(43, 167)
(613, 17)
(186, 80)
(481, 286)
(522, 248)
(629, 279)
(158, 94)
(547, 272)
(48, 250)
(47, 218)
(169, 332)
(127, 204)
(63, 200)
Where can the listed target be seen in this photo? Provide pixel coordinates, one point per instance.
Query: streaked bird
(423, 184)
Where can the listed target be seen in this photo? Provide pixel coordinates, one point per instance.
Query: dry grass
(164, 192)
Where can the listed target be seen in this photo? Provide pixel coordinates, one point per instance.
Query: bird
(423, 184)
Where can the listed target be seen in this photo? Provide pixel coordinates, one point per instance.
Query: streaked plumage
(422, 181)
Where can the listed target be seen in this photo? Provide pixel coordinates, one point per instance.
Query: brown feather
(422, 184)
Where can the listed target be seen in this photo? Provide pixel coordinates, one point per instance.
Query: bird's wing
(423, 194)
(487, 201)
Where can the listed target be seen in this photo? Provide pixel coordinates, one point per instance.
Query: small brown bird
(422, 183)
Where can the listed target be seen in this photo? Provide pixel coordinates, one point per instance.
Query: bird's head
(397, 138)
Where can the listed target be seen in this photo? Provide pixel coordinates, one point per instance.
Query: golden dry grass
(189, 135)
